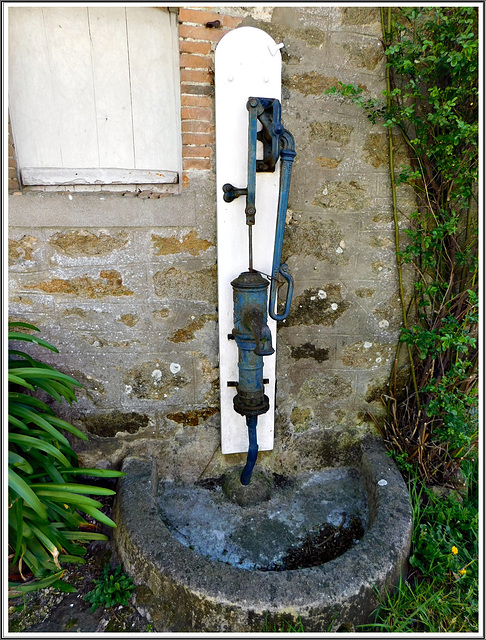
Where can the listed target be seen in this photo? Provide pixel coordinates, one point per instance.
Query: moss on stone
(109, 424)
(309, 350)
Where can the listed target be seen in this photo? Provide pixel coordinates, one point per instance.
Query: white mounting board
(247, 63)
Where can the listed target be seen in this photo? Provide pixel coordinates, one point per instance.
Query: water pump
(250, 289)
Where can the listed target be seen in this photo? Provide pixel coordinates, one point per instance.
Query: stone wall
(125, 284)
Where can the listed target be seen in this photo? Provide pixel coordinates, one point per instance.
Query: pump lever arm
(287, 155)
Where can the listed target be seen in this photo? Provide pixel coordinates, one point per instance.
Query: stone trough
(218, 557)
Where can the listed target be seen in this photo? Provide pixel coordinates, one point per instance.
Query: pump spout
(245, 477)
(254, 319)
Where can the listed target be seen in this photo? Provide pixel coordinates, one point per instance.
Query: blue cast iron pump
(250, 288)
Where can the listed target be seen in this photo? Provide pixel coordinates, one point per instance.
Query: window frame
(101, 179)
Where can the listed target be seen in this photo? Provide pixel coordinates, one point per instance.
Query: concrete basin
(206, 560)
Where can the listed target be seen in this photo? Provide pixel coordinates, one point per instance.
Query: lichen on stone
(184, 334)
(194, 417)
(366, 355)
(313, 307)
(110, 283)
(152, 381)
(301, 418)
(86, 243)
(188, 243)
(21, 250)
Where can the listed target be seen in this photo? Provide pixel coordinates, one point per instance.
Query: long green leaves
(44, 502)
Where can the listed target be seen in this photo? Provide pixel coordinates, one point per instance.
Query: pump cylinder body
(251, 334)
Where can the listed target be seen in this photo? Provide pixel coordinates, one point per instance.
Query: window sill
(133, 190)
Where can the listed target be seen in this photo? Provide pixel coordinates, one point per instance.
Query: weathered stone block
(186, 333)
(323, 239)
(376, 150)
(349, 196)
(192, 418)
(326, 387)
(366, 355)
(195, 285)
(332, 133)
(359, 16)
(310, 83)
(157, 380)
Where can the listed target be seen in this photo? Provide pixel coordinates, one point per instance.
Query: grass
(284, 626)
(440, 594)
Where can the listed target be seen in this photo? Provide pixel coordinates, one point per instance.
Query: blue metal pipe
(287, 156)
(245, 477)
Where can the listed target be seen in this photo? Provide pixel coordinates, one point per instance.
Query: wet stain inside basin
(304, 520)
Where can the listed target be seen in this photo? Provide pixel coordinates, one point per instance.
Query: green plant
(441, 592)
(112, 588)
(44, 522)
(432, 98)
(284, 626)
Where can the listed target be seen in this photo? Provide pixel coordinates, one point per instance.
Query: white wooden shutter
(95, 88)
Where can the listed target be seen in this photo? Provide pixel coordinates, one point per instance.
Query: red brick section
(197, 43)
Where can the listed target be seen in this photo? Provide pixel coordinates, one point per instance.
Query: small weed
(112, 588)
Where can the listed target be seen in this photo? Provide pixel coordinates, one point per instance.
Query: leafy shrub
(112, 588)
(432, 98)
(431, 428)
(44, 498)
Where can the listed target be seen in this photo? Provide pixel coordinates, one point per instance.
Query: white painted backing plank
(247, 63)
(153, 88)
(111, 80)
(52, 176)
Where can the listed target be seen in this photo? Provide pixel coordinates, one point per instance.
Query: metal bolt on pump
(250, 288)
